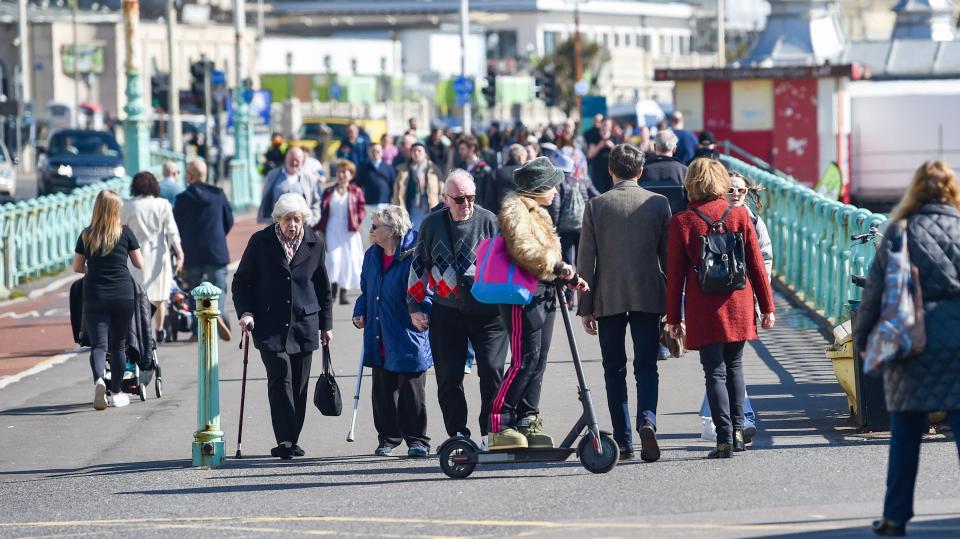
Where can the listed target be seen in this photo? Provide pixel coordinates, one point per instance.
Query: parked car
(74, 157)
(8, 175)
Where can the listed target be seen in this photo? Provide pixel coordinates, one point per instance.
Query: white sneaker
(119, 400)
(100, 395)
(484, 444)
(466, 370)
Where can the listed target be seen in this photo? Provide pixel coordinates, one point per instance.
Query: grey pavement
(67, 470)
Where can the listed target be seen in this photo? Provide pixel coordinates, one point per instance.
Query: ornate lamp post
(136, 137)
(242, 167)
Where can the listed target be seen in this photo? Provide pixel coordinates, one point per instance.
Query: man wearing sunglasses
(443, 268)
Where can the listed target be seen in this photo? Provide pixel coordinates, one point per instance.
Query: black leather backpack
(722, 267)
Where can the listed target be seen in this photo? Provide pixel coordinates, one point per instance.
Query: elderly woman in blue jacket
(393, 348)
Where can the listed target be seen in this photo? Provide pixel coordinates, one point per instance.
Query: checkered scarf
(289, 246)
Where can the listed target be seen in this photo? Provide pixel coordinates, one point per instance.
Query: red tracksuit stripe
(516, 340)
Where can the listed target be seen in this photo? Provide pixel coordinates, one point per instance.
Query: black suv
(75, 157)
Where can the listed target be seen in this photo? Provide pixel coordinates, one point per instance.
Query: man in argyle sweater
(444, 267)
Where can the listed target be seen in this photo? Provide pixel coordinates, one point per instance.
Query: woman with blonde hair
(108, 293)
(930, 381)
(718, 324)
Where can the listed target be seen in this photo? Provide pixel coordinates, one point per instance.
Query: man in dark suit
(622, 228)
(663, 174)
(205, 212)
(376, 179)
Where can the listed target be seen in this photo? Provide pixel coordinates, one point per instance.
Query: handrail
(38, 236)
(812, 251)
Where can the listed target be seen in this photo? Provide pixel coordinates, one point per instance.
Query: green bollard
(208, 446)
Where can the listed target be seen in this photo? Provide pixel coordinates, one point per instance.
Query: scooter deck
(533, 454)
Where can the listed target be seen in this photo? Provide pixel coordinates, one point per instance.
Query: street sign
(336, 91)
(259, 107)
(581, 87)
(463, 87)
(218, 78)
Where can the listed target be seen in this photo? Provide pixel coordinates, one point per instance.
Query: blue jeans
(215, 275)
(645, 331)
(906, 431)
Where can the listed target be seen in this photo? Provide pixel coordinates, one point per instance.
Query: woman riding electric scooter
(534, 246)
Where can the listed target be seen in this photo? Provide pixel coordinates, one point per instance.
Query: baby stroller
(140, 345)
(180, 315)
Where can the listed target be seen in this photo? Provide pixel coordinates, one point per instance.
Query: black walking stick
(245, 344)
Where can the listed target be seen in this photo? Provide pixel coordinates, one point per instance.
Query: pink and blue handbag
(499, 280)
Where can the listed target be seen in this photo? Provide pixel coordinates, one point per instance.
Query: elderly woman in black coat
(282, 291)
(929, 382)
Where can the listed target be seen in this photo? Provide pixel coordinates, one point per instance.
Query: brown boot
(343, 297)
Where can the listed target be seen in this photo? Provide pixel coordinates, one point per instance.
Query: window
(616, 40)
(550, 40)
(501, 45)
(606, 40)
(643, 41)
(626, 39)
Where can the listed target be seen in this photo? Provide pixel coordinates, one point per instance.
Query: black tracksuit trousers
(530, 328)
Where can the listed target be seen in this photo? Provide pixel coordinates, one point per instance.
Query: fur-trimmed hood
(530, 236)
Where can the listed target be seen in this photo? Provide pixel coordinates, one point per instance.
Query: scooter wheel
(456, 459)
(595, 462)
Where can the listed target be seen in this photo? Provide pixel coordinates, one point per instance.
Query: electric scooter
(597, 450)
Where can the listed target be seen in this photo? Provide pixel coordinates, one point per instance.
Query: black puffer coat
(930, 381)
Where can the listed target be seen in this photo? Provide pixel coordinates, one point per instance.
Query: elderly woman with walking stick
(397, 352)
(282, 291)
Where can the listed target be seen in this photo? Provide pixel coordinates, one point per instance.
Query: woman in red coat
(717, 324)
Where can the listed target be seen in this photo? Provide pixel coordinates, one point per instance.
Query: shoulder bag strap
(713, 224)
(327, 362)
(453, 246)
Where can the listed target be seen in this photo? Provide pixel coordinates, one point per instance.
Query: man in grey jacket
(622, 229)
(290, 178)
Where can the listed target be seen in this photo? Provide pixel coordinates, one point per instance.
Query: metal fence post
(208, 446)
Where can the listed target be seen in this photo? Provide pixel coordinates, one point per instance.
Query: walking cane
(356, 401)
(245, 345)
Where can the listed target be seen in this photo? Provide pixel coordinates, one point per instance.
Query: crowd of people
(401, 227)
(404, 233)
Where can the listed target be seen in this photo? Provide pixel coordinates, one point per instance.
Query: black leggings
(107, 324)
(723, 374)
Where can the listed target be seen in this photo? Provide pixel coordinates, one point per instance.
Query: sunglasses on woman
(463, 199)
(737, 191)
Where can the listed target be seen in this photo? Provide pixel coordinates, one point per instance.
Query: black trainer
(723, 451)
(649, 449)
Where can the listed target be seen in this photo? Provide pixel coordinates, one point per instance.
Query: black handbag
(326, 395)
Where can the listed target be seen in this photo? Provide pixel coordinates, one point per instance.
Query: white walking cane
(356, 401)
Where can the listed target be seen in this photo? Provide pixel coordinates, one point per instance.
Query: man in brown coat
(623, 253)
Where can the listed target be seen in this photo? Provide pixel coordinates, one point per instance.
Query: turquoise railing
(813, 254)
(38, 235)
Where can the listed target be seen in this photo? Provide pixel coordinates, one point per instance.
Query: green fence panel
(812, 251)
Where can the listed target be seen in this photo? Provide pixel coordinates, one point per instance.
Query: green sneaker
(507, 439)
(531, 427)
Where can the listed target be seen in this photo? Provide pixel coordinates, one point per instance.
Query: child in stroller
(142, 363)
(180, 317)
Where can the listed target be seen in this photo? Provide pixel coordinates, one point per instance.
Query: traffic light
(159, 90)
(490, 90)
(198, 72)
(549, 89)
